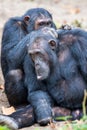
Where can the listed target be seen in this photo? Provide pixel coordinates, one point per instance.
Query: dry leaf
(75, 11)
(2, 87)
(52, 125)
(8, 111)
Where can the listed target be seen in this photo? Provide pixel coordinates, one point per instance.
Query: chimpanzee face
(41, 64)
(39, 22)
(40, 56)
(38, 19)
(43, 22)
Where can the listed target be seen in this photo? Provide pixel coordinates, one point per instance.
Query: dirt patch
(63, 11)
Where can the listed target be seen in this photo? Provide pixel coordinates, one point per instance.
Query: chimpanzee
(57, 75)
(18, 27)
(45, 33)
(13, 50)
(57, 70)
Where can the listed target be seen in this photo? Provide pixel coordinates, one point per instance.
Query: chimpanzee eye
(40, 57)
(48, 23)
(41, 23)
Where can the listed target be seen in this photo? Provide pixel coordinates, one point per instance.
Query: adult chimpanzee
(45, 33)
(13, 44)
(56, 70)
(56, 74)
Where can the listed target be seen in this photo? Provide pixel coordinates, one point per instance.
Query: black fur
(13, 50)
(65, 84)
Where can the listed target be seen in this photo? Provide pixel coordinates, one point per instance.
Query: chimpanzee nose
(37, 66)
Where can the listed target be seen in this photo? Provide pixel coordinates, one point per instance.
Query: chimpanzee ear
(26, 19)
(53, 44)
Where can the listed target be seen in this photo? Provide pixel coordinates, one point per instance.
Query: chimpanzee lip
(39, 77)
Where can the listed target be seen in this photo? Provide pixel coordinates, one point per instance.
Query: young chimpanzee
(13, 50)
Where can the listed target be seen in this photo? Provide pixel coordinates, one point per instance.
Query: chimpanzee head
(37, 18)
(42, 51)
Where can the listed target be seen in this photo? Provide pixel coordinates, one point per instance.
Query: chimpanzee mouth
(41, 75)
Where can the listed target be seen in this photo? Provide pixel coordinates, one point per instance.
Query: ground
(63, 11)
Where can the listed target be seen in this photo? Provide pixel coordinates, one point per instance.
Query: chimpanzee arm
(40, 101)
(39, 98)
(12, 35)
(16, 55)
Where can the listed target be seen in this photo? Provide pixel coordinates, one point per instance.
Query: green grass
(77, 124)
(4, 128)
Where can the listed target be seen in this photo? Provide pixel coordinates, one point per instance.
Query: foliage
(77, 23)
(78, 124)
(4, 128)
